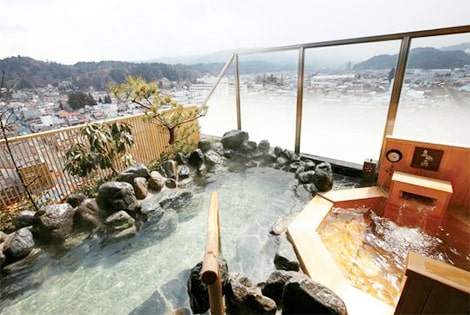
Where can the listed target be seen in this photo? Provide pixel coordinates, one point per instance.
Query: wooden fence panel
(41, 159)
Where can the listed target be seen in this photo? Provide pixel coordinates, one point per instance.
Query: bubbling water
(371, 251)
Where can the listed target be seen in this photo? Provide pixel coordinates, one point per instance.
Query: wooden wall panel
(454, 167)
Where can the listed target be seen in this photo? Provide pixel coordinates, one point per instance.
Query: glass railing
(435, 102)
(339, 99)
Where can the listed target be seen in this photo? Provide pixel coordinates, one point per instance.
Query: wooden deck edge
(362, 193)
(320, 266)
(446, 274)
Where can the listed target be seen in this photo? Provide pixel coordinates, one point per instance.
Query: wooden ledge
(421, 181)
(438, 271)
(353, 194)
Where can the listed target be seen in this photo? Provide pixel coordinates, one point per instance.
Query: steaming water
(118, 278)
(372, 251)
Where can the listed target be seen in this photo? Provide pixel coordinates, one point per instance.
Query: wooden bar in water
(210, 265)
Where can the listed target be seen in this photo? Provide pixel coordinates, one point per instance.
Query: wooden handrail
(210, 266)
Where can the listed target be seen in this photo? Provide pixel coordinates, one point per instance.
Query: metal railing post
(237, 93)
(219, 78)
(210, 266)
(396, 89)
(300, 97)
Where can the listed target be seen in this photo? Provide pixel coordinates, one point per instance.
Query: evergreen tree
(107, 99)
(148, 96)
(77, 100)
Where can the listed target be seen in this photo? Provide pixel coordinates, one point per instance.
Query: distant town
(42, 109)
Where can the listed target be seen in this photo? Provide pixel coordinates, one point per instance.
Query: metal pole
(237, 93)
(219, 78)
(300, 96)
(396, 89)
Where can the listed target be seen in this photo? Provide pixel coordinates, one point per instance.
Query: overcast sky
(68, 31)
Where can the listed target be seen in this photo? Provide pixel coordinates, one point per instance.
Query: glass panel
(435, 99)
(222, 112)
(268, 89)
(347, 91)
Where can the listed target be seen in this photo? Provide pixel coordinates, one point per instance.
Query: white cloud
(83, 30)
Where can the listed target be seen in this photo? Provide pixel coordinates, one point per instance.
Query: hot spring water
(118, 278)
(371, 251)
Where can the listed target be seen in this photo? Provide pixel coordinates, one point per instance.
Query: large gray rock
(185, 183)
(3, 239)
(212, 159)
(285, 258)
(119, 221)
(175, 199)
(306, 177)
(244, 298)
(323, 177)
(281, 162)
(115, 196)
(296, 167)
(264, 145)
(23, 264)
(3, 236)
(274, 285)
(19, 245)
(196, 158)
(197, 289)
(234, 138)
(168, 169)
(140, 187)
(75, 199)
(248, 147)
(218, 147)
(278, 150)
(3, 259)
(121, 234)
(170, 183)
(54, 223)
(120, 226)
(183, 172)
(301, 295)
(202, 170)
(289, 155)
(87, 215)
(268, 157)
(156, 181)
(204, 144)
(181, 158)
(150, 207)
(24, 218)
(309, 165)
(132, 172)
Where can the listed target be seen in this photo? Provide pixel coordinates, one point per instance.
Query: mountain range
(421, 58)
(25, 72)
